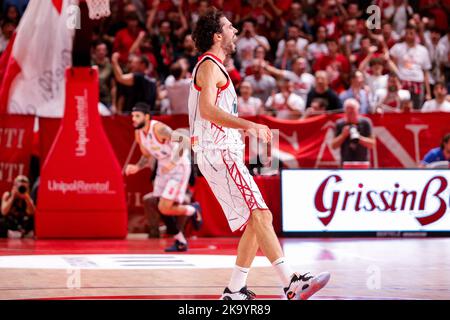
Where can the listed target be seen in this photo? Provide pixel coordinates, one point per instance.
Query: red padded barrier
(81, 193)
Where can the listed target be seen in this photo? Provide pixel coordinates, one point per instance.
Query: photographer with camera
(17, 210)
(353, 134)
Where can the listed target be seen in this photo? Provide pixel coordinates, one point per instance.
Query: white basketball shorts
(231, 183)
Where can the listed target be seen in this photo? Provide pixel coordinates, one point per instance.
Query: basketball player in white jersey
(171, 149)
(218, 145)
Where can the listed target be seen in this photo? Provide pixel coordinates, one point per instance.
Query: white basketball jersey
(205, 134)
(159, 150)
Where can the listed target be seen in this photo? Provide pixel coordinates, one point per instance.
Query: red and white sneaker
(304, 286)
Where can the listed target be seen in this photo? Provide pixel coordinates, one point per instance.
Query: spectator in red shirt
(331, 16)
(230, 8)
(126, 37)
(163, 7)
(336, 65)
(143, 46)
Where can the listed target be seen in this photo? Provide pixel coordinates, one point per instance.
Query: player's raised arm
(208, 77)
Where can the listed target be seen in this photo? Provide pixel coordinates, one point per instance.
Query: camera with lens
(22, 189)
(354, 134)
(22, 184)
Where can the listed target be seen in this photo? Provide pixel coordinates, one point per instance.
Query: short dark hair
(8, 21)
(441, 84)
(207, 26)
(141, 107)
(411, 26)
(445, 140)
(176, 70)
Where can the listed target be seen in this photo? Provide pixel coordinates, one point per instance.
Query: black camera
(22, 189)
(354, 134)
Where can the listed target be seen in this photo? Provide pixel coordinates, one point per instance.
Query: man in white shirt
(248, 40)
(286, 104)
(248, 105)
(293, 34)
(390, 99)
(398, 12)
(177, 88)
(413, 61)
(439, 103)
(319, 48)
(262, 84)
(302, 80)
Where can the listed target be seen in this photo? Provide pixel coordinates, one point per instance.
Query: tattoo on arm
(143, 162)
(164, 133)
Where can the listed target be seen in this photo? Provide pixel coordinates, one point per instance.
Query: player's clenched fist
(262, 132)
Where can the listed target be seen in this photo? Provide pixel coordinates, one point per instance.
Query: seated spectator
(137, 86)
(439, 103)
(177, 87)
(262, 84)
(17, 210)
(303, 81)
(7, 30)
(438, 154)
(247, 104)
(125, 38)
(354, 134)
(413, 62)
(318, 107)
(322, 90)
(286, 104)
(390, 99)
(357, 91)
(336, 65)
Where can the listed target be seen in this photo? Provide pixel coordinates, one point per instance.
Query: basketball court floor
(138, 268)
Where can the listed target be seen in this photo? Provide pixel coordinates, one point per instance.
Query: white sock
(180, 237)
(238, 278)
(283, 270)
(190, 210)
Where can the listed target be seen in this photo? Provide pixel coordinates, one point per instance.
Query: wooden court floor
(138, 268)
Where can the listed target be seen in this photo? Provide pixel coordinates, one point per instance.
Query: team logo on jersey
(235, 110)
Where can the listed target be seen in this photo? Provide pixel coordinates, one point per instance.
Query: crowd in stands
(294, 59)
